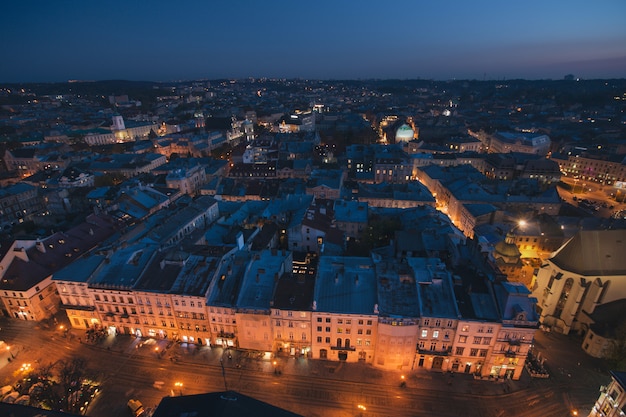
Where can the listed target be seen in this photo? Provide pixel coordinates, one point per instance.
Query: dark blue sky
(187, 39)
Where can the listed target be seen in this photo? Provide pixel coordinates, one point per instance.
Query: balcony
(348, 348)
(77, 307)
(435, 352)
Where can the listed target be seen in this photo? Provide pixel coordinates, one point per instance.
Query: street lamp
(11, 353)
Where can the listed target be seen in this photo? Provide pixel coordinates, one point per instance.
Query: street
(133, 368)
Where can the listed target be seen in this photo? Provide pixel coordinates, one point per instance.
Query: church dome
(404, 133)
(507, 250)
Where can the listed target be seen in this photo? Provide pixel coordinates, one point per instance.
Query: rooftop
(346, 285)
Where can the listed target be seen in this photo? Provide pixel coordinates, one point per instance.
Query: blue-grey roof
(224, 289)
(479, 209)
(434, 288)
(513, 298)
(99, 192)
(397, 290)
(260, 279)
(80, 270)
(350, 211)
(345, 285)
(125, 266)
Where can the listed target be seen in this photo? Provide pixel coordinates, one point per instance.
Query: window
(360, 321)
(369, 322)
(319, 339)
(433, 346)
(450, 323)
(477, 340)
(426, 322)
(483, 353)
(339, 321)
(465, 328)
(368, 331)
(277, 323)
(473, 352)
(462, 339)
(435, 334)
(421, 345)
(328, 330)
(339, 330)
(328, 340)
(437, 323)
(327, 319)
(481, 329)
(489, 329)
(319, 319)
(424, 333)
(486, 340)
(360, 331)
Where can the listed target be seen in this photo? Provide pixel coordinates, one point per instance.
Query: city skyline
(60, 41)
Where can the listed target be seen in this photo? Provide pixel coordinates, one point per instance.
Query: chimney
(40, 246)
(239, 241)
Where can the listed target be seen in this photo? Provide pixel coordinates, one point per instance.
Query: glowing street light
(11, 353)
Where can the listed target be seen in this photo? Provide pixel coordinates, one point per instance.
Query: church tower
(118, 123)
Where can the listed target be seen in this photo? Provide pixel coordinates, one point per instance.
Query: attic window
(61, 241)
(51, 246)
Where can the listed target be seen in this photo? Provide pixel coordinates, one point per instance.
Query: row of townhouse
(399, 315)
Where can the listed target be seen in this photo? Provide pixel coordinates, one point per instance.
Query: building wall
(435, 341)
(395, 345)
(255, 331)
(336, 335)
(223, 326)
(292, 332)
(472, 347)
(36, 303)
(191, 315)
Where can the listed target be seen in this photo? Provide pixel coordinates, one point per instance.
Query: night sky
(342, 39)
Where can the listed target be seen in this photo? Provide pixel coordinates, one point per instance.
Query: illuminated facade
(612, 400)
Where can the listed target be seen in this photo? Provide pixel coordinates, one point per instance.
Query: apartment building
(345, 311)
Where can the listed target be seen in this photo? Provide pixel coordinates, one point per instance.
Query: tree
(616, 354)
(71, 375)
